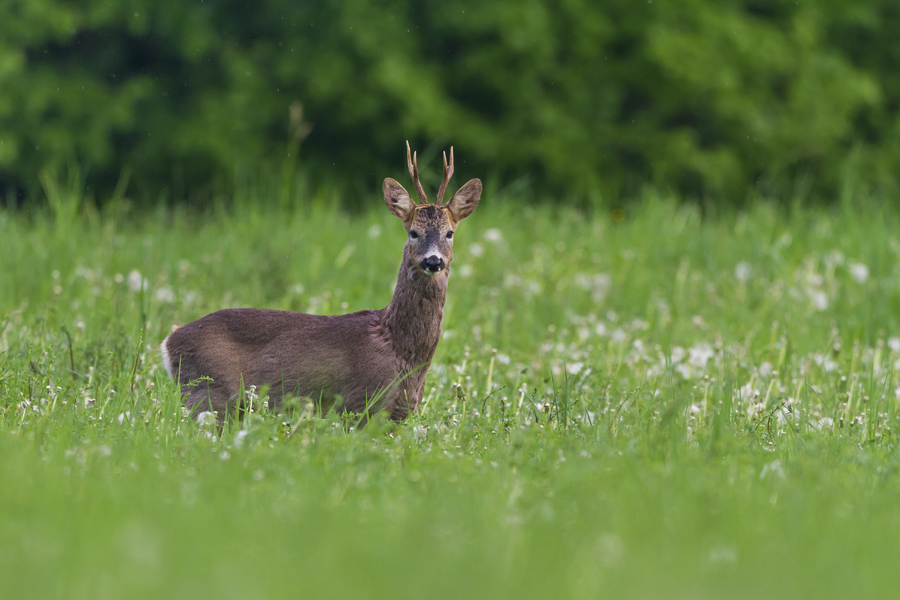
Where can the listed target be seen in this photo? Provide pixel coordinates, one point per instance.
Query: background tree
(587, 101)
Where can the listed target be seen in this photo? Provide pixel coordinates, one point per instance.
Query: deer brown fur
(372, 359)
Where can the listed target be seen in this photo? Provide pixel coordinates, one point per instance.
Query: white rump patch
(167, 360)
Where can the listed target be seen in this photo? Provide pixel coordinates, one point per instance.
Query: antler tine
(448, 173)
(414, 173)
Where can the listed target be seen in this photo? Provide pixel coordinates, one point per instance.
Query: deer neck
(413, 318)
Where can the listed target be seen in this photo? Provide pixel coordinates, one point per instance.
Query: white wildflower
(818, 298)
(493, 235)
(136, 281)
(824, 423)
(827, 364)
(834, 258)
(859, 272)
(773, 469)
(700, 354)
(84, 273)
(601, 284)
(574, 368)
(894, 344)
(748, 393)
(663, 307)
(754, 410)
(512, 280)
(743, 271)
(206, 418)
(783, 415)
(239, 438)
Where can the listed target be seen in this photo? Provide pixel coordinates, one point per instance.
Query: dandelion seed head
(493, 235)
(773, 470)
(239, 437)
(818, 298)
(700, 354)
(136, 281)
(859, 272)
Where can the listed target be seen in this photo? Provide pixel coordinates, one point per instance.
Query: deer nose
(432, 264)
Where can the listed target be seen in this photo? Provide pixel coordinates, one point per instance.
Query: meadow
(660, 402)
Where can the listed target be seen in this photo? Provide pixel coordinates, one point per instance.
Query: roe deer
(360, 357)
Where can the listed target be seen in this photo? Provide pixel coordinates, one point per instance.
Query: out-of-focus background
(670, 354)
(585, 102)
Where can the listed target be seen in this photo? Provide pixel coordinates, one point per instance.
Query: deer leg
(210, 398)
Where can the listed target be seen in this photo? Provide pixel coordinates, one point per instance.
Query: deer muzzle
(433, 264)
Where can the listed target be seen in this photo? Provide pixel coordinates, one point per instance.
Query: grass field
(656, 405)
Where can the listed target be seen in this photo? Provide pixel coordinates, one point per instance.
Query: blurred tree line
(580, 99)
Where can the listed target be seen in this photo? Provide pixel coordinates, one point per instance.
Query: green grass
(661, 406)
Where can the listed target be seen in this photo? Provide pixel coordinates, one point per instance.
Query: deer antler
(414, 173)
(448, 173)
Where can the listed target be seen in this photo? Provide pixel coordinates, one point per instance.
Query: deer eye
(450, 235)
(413, 234)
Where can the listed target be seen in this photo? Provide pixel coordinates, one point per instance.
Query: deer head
(431, 227)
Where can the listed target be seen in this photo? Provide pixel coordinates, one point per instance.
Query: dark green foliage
(582, 99)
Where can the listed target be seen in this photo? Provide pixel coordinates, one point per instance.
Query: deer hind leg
(211, 397)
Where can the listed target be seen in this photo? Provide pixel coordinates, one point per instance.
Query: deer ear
(465, 201)
(397, 199)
